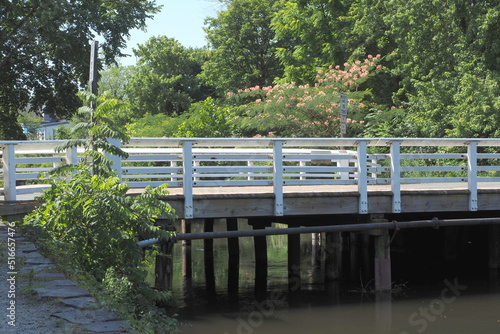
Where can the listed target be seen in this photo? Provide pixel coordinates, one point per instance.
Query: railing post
(173, 164)
(72, 155)
(278, 177)
(343, 163)
(396, 176)
(472, 175)
(362, 178)
(187, 166)
(9, 172)
(250, 164)
(117, 161)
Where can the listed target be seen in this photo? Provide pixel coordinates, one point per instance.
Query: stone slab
(80, 302)
(50, 275)
(38, 260)
(27, 248)
(85, 317)
(108, 327)
(35, 268)
(60, 283)
(61, 292)
(29, 255)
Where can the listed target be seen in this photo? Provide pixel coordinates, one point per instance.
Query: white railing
(236, 162)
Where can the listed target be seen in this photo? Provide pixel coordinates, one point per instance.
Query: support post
(208, 246)
(9, 172)
(383, 274)
(494, 246)
(187, 165)
(354, 254)
(164, 268)
(187, 271)
(260, 246)
(233, 265)
(333, 256)
(294, 281)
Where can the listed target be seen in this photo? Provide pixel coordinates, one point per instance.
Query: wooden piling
(494, 246)
(333, 256)
(383, 274)
(187, 271)
(208, 246)
(164, 266)
(294, 262)
(233, 265)
(260, 248)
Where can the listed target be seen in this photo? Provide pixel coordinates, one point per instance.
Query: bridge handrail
(188, 163)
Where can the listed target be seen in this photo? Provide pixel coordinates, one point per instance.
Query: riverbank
(36, 298)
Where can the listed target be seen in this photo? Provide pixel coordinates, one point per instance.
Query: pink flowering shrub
(291, 110)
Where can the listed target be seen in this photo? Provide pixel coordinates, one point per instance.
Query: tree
(115, 79)
(309, 110)
(243, 46)
(449, 62)
(323, 32)
(90, 222)
(205, 119)
(44, 51)
(165, 78)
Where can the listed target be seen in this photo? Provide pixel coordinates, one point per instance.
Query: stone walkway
(53, 303)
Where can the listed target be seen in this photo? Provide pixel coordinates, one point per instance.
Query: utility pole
(94, 50)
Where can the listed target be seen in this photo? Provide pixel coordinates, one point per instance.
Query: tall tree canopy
(165, 78)
(243, 46)
(44, 50)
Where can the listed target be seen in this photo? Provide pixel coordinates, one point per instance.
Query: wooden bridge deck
(223, 202)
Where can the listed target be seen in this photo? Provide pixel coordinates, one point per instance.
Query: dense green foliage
(439, 74)
(165, 78)
(44, 51)
(90, 222)
(243, 46)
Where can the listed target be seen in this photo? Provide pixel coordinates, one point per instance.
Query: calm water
(435, 297)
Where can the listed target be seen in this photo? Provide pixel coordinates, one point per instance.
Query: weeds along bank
(89, 227)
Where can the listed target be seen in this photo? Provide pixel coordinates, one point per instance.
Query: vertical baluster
(472, 175)
(396, 176)
(362, 178)
(187, 164)
(278, 177)
(9, 172)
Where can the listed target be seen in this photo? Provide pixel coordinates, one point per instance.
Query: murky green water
(435, 297)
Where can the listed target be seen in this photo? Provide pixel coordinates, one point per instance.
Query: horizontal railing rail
(189, 163)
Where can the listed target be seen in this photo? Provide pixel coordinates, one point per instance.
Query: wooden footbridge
(297, 181)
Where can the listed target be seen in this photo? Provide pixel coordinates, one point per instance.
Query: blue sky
(179, 19)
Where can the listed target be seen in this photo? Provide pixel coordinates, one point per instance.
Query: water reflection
(223, 295)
